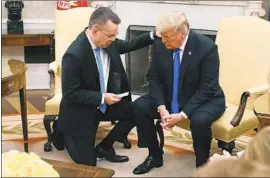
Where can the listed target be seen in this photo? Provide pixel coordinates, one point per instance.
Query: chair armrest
(253, 92)
(53, 69)
(257, 91)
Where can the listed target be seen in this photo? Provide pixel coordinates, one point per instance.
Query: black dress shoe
(126, 143)
(57, 137)
(110, 155)
(149, 163)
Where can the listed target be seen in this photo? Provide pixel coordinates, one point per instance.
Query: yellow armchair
(68, 24)
(243, 45)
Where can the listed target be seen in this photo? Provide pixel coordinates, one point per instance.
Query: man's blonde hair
(233, 168)
(258, 148)
(171, 20)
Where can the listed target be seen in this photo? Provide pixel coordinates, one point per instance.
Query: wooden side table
(262, 110)
(42, 37)
(13, 80)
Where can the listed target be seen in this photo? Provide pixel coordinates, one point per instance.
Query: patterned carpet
(35, 102)
(11, 123)
(12, 129)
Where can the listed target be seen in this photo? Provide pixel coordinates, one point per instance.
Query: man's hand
(111, 98)
(171, 120)
(156, 34)
(163, 112)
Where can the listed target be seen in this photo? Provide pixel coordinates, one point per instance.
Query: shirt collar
(90, 41)
(182, 48)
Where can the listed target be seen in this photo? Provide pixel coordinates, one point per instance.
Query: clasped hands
(169, 120)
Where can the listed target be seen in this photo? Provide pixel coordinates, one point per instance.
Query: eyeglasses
(108, 36)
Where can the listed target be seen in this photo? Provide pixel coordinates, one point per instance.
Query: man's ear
(93, 31)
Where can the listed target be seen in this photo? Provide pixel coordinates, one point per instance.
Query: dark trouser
(82, 149)
(200, 124)
(145, 113)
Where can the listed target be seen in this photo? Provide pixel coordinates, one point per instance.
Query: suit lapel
(115, 64)
(186, 58)
(89, 54)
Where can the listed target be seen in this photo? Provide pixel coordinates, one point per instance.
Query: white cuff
(184, 115)
(152, 35)
(160, 107)
(102, 100)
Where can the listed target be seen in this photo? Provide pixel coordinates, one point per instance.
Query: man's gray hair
(101, 15)
(171, 20)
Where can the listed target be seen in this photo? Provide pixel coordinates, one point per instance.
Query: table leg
(24, 116)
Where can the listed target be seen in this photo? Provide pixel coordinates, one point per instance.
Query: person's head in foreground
(258, 148)
(103, 26)
(173, 28)
(233, 168)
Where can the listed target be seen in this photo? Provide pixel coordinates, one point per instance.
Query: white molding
(33, 24)
(204, 3)
(254, 8)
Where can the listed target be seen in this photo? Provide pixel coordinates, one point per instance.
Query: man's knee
(138, 105)
(89, 162)
(79, 158)
(201, 120)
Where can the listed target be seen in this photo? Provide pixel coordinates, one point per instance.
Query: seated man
(191, 91)
(92, 76)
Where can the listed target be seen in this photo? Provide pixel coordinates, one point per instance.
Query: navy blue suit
(200, 95)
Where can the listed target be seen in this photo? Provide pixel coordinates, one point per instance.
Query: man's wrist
(155, 34)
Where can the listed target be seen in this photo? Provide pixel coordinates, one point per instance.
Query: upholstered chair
(243, 45)
(68, 24)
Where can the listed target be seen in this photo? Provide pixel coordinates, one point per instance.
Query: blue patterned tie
(101, 78)
(176, 72)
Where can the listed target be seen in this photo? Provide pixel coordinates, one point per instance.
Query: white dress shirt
(105, 59)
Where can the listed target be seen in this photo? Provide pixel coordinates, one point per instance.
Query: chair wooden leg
(160, 134)
(226, 146)
(47, 124)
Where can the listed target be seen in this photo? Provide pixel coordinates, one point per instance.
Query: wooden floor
(35, 102)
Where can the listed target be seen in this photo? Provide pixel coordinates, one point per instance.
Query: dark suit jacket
(80, 81)
(199, 74)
